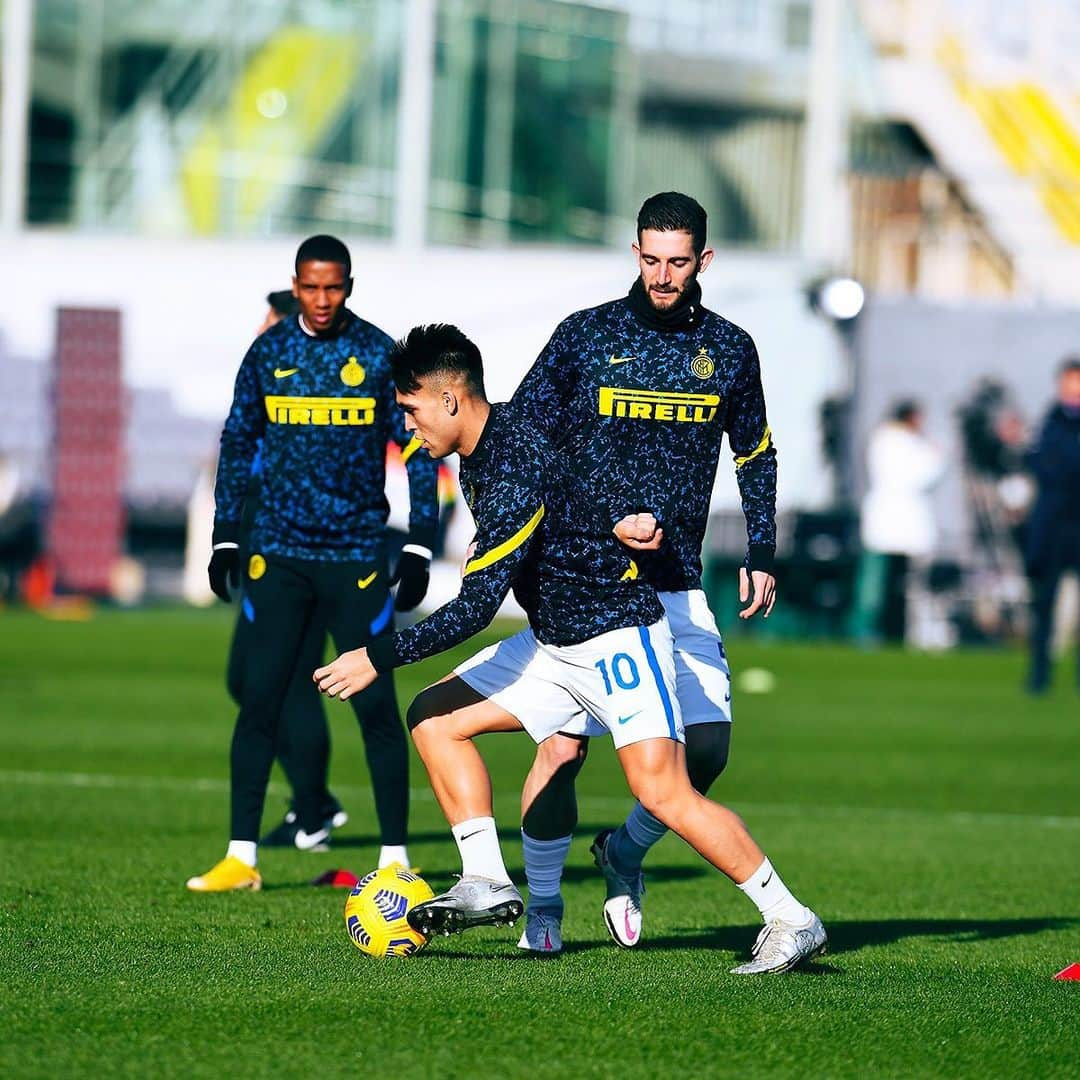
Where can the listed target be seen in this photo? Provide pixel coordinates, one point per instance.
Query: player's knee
(707, 750)
(563, 755)
(424, 706)
(664, 802)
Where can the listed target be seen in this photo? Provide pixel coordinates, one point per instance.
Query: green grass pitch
(926, 808)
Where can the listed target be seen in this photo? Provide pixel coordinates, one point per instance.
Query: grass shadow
(848, 937)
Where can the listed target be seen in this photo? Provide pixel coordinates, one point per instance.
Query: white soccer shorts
(702, 676)
(624, 678)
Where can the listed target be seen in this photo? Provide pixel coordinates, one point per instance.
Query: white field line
(619, 803)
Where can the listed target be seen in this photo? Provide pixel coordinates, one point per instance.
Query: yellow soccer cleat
(229, 874)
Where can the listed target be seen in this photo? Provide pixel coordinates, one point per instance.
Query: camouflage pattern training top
(324, 408)
(640, 408)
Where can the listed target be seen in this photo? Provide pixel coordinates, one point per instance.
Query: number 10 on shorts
(624, 670)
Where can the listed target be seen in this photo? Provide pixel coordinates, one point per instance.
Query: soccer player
(597, 640)
(317, 391)
(637, 394)
(304, 745)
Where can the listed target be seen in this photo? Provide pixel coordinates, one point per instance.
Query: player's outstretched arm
(505, 529)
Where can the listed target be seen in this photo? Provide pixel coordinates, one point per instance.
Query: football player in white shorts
(598, 642)
(638, 394)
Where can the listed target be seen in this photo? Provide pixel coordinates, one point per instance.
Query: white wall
(190, 308)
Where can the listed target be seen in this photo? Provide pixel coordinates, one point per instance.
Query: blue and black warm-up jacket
(324, 409)
(640, 413)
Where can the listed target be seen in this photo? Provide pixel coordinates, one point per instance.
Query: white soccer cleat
(319, 840)
(622, 909)
(473, 901)
(783, 946)
(542, 934)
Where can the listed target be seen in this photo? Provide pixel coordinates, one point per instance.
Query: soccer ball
(375, 912)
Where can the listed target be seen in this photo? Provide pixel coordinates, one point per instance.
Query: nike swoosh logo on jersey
(284, 373)
(364, 582)
(627, 719)
(613, 359)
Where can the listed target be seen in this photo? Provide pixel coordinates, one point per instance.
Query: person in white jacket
(897, 520)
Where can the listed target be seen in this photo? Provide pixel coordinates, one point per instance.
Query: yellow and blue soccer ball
(376, 908)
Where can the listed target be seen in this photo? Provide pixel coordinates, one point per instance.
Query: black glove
(224, 570)
(411, 575)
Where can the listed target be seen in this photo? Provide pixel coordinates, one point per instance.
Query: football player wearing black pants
(304, 746)
(314, 394)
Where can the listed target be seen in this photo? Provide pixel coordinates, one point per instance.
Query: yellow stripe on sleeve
(414, 444)
(507, 546)
(762, 446)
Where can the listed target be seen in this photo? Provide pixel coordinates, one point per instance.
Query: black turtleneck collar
(685, 315)
(482, 449)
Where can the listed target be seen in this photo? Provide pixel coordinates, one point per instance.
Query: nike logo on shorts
(627, 719)
(613, 359)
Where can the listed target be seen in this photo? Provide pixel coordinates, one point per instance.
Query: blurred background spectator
(1053, 533)
(898, 526)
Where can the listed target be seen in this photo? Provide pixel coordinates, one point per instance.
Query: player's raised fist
(639, 531)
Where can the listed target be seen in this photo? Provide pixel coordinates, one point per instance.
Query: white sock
(544, 862)
(478, 844)
(773, 898)
(244, 850)
(393, 853)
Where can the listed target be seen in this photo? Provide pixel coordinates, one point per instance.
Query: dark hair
(438, 349)
(905, 411)
(671, 211)
(1070, 364)
(323, 248)
(283, 302)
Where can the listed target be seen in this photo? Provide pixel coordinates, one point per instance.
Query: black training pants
(286, 597)
(303, 740)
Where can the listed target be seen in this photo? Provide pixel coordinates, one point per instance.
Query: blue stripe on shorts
(654, 665)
